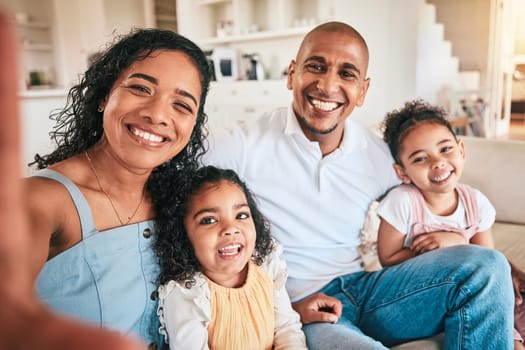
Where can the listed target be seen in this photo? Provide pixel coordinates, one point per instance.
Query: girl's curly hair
(398, 123)
(79, 124)
(177, 258)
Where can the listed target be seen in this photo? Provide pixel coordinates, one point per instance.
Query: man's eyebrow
(315, 58)
(155, 81)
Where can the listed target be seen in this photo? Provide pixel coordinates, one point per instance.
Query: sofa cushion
(497, 169)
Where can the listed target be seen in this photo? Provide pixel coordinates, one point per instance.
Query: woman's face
(151, 110)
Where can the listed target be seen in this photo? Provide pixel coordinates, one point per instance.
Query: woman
(133, 124)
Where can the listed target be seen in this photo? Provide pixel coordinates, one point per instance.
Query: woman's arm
(24, 322)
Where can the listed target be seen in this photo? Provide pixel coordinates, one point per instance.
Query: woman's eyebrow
(155, 81)
(149, 78)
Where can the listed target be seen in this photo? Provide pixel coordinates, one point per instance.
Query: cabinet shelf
(211, 2)
(262, 35)
(38, 47)
(34, 25)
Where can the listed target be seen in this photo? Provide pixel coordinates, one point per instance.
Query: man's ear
(401, 174)
(362, 94)
(291, 70)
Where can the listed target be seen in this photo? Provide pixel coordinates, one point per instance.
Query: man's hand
(430, 241)
(24, 322)
(319, 308)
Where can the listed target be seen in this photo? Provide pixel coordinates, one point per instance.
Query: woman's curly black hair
(79, 124)
(398, 123)
(177, 258)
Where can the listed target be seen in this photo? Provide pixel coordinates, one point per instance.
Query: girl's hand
(430, 241)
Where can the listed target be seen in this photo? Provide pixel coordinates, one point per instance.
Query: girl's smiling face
(220, 227)
(431, 158)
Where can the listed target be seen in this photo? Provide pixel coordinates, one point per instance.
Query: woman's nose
(157, 111)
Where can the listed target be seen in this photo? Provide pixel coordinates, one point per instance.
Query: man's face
(328, 80)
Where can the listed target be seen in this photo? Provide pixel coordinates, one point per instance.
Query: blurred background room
(467, 56)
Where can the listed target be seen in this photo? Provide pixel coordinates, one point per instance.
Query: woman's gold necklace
(109, 197)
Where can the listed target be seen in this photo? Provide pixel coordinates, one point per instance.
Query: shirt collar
(353, 137)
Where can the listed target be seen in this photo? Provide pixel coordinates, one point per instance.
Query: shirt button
(154, 295)
(147, 233)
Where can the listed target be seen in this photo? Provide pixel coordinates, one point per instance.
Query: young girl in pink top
(431, 209)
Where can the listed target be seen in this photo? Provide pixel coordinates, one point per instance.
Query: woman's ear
(401, 174)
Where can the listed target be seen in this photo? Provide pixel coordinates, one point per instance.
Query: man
(24, 322)
(315, 172)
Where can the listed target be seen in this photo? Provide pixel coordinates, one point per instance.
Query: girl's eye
(207, 220)
(243, 216)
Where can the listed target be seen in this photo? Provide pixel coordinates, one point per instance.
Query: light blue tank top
(108, 278)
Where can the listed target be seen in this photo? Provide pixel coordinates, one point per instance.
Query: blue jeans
(464, 291)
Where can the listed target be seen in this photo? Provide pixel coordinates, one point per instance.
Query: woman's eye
(207, 220)
(184, 106)
(140, 88)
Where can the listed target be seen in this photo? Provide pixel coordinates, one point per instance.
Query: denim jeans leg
(465, 291)
(343, 335)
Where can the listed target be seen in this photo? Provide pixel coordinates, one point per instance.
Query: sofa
(496, 168)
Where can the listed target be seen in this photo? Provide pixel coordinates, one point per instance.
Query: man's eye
(347, 74)
(315, 67)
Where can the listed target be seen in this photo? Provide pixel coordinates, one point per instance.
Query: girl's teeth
(230, 250)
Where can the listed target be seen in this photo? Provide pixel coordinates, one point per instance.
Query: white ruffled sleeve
(185, 315)
(288, 328)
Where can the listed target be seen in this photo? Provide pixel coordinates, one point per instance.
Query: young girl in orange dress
(223, 283)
